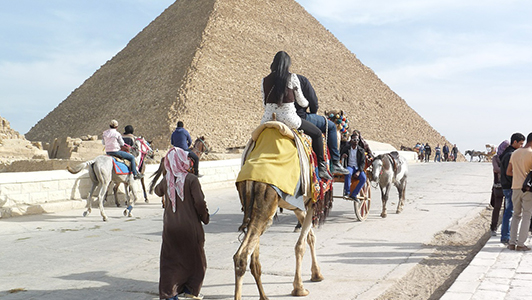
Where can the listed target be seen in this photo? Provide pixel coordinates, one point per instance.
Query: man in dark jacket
(181, 139)
(325, 125)
(356, 161)
(428, 150)
(516, 141)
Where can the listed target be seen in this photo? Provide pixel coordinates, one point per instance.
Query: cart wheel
(362, 208)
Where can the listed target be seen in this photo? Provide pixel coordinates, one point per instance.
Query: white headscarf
(176, 164)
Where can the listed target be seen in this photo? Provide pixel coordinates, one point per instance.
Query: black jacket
(361, 157)
(310, 94)
(506, 181)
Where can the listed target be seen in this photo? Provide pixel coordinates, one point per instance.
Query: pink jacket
(112, 140)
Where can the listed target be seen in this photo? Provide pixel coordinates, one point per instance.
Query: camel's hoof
(125, 212)
(300, 292)
(399, 211)
(316, 278)
(104, 219)
(383, 215)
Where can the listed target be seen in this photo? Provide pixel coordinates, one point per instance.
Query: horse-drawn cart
(363, 202)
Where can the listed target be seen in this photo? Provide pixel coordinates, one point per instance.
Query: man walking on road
(519, 166)
(516, 141)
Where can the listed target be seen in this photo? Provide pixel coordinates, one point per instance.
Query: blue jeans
(332, 138)
(127, 156)
(437, 157)
(507, 215)
(347, 181)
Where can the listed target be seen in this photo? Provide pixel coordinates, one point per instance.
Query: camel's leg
(240, 259)
(311, 240)
(384, 195)
(263, 210)
(299, 290)
(256, 270)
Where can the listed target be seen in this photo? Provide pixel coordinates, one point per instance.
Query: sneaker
(522, 248)
(355, 198)
(493, 233)
(339, 169)
(190, 296)
(505, 242)
(511, 247)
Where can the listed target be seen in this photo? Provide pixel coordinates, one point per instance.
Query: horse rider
(354, 154)
(324, 124)
(181, 139)
(113, 142)
(128, 136)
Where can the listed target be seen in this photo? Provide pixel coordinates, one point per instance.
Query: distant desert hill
(202, 62)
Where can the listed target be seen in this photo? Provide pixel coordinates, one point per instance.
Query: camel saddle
(275, 155)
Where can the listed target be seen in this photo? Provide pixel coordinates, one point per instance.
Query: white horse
(387, 169)
(101, 173)
(145, 152)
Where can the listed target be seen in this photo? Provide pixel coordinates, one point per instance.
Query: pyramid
(202, 62)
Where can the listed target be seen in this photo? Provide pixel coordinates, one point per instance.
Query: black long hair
(279, 67)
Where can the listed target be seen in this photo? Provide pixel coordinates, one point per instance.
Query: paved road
(66, 256)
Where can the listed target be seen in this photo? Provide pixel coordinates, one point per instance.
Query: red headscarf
(176, 163)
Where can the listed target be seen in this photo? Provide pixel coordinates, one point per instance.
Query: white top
(286, 112)
(352, 157)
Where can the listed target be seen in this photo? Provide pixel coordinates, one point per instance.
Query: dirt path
(454, 251)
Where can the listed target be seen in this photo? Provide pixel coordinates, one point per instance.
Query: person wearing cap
(112, 140)
(181, 139)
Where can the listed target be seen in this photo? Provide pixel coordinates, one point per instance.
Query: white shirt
(352, 157)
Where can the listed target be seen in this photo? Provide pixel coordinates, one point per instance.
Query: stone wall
(24, 193)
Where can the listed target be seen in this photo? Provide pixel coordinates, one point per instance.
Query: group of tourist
(288, 95)
(424, 151)
(511, 165)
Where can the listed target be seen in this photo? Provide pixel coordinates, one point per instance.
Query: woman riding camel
(280, 89)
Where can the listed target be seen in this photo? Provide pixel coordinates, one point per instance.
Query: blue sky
(465, 66)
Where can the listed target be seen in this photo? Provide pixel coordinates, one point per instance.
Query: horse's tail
(246, 190)
(156, 175)
(79, 167)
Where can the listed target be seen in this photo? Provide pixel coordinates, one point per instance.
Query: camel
(260, 202)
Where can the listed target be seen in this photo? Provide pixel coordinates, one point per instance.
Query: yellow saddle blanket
(271, 156)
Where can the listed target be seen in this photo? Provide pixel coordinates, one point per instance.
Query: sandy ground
(455, 248)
